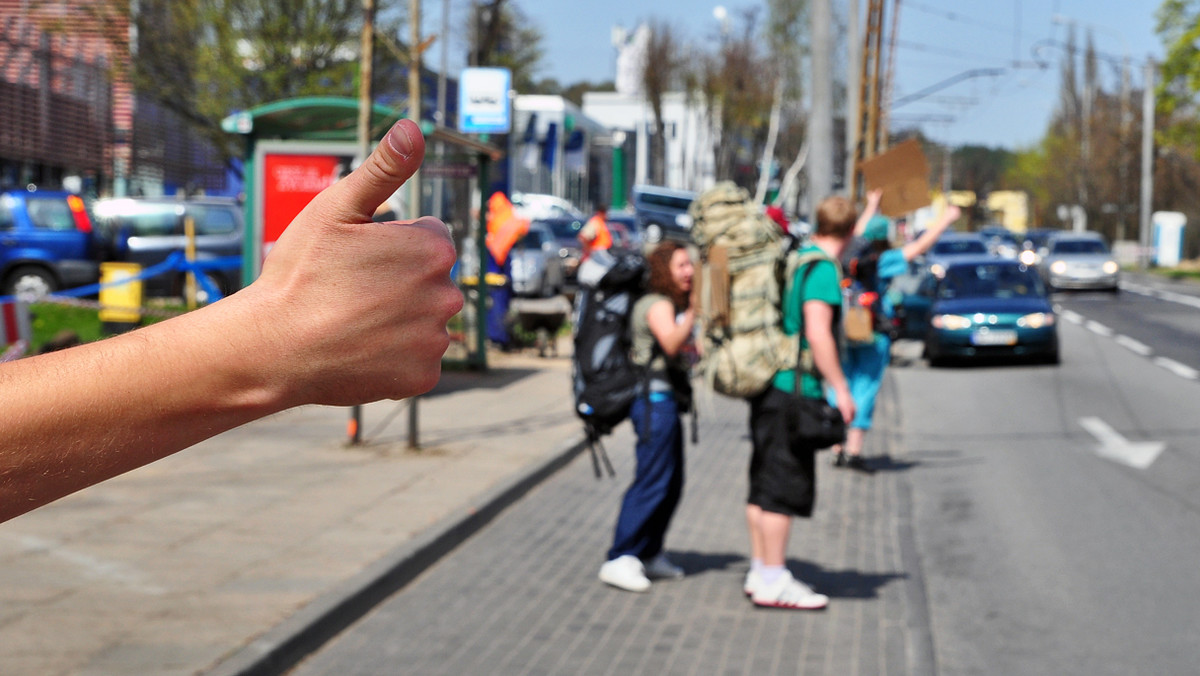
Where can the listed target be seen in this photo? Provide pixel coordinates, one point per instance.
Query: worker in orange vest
(595, 234)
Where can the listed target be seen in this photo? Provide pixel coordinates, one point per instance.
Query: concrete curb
(284, 646)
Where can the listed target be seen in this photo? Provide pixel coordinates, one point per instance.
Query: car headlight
(1058, 267)
(1028, 257)
(951, 322)
(1036, 320)
(1110, 267)
(937, 270)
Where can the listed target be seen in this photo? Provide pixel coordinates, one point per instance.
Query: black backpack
(862, 266)
(604, 378)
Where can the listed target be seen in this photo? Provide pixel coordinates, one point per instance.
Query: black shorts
(783, 476)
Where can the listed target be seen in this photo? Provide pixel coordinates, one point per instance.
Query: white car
(537, 207)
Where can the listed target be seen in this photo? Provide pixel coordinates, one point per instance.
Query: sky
(936, 40)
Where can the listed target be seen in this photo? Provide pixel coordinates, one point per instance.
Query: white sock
(756, 564)
(770, 574)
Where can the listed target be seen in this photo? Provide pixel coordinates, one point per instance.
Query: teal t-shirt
(822, 284)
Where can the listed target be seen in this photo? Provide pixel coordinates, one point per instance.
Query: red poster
(289, 184)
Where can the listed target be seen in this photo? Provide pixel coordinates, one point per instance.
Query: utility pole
(853, 119)
(1123, 134)
(820, 126)
(867, 122)
(1147, 164)
(367, 56)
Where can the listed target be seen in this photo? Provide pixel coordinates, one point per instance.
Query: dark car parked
(148, 230)
(662, 213)
(45, 243)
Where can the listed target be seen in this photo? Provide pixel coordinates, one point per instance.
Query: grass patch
(48, 321)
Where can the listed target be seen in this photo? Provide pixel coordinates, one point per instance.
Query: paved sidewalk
(521, 597)
(221, 557)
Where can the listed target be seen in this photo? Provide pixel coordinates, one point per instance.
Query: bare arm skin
(671, 337)
(921, 244)
(346, 311)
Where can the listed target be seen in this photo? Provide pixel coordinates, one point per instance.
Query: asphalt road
(1055, 508)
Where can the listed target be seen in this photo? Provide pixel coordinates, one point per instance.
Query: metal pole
(414, 113)
(820, 166)
(853, 116)
(1147, 164)
(354, 427)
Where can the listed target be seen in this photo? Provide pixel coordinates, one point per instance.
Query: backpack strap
(807, 260)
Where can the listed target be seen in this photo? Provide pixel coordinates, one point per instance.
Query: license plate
(994, 338)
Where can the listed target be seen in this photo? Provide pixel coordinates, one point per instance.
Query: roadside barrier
(14, 311)
(176, 262)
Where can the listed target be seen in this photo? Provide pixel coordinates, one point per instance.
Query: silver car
(1079, 261)
(537, 268)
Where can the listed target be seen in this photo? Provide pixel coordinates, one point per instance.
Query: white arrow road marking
(1117, 448)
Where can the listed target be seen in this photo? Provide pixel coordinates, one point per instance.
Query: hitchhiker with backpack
(660, 331)
(870, 269)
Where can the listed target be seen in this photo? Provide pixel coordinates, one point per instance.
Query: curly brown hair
(661, 281)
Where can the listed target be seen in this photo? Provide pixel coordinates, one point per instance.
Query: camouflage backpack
(742, 263)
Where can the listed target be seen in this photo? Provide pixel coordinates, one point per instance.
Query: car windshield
(1079, 246)
(960, 246)
(989, 281)
(532, 240)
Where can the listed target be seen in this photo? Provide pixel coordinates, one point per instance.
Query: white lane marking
(1071, 316)
(1134, 346)
(1098, 328)
(1169, 296)
(1117, 448)
(1182, 370)
(1180, 298)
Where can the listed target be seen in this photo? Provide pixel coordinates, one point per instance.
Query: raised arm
(346, 311)
(922, 244)
(868, 211)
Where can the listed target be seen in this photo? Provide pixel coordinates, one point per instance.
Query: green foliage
(1178, 24)
(503, 37)
(204, 59)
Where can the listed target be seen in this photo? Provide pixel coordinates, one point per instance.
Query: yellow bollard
(121, 305)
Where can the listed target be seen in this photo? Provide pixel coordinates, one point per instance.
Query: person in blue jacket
(864, 363)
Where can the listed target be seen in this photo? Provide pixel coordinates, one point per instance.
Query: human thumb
(395, 159)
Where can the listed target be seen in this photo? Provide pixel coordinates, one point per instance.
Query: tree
(660, 74)
(204, 59)
(738, 100)
(503, 37)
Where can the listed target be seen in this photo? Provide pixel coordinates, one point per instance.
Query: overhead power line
(954, 16)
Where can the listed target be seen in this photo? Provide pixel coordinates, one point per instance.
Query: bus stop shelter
(297, 147)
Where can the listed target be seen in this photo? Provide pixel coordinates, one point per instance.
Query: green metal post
(249, 265)
(618, 177)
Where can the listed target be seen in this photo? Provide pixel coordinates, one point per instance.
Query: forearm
(826, 359)
(148, 394)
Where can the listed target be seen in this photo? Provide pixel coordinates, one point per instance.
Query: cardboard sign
(903, 174)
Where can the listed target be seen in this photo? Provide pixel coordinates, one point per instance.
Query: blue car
(989, 307)
(45, 243)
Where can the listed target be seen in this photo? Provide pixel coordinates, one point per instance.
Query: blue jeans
(864, 366)
(657, 484)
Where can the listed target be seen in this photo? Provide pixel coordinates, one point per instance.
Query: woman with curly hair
(661, 325)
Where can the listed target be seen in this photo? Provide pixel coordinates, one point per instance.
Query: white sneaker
(662, 568)
(625, 572)
(788, 592)
(752, 582)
